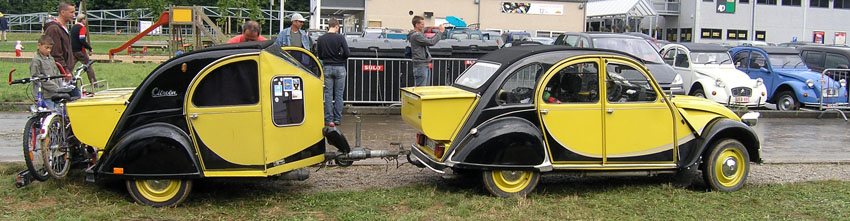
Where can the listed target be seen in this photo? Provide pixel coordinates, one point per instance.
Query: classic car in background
(707, 72)
(790, 84)
(522, 111)
(670, 81)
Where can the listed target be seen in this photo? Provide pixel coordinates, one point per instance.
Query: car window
(757, 61)
(624, 84)
(477, 74)
(637, 47)
(669, 56)
(786, 60)
(519, 86)
(814, 58)
(741, 59)
(584, 43)
(681, 59)
(571, 40)
(836, 60)
(577, 83)
(710, 57)
(460, 36)
(231, 84)
(475, 37)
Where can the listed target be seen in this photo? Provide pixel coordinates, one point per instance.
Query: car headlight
(759, 82)
(843, 82)
(677, 79)
(810, 83)
(719, 83)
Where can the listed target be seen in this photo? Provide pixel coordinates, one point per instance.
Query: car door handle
(544, 111)
(193, 116)
(609, 110)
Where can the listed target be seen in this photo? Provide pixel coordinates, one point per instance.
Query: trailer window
(232, 84)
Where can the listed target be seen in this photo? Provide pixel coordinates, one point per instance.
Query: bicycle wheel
(33, 151)
(56, 151)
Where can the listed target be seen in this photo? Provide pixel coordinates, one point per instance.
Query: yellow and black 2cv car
(522, 111)
(241, 110)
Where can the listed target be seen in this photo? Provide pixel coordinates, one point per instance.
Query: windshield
(476, 75)
(786, 61)
(710, 58)
(636, 47)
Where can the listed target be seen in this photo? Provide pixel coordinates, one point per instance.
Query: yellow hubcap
(158, 190)
(729, 167)
(511, 181)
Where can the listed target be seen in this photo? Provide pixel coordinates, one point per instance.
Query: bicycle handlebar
(27, 80)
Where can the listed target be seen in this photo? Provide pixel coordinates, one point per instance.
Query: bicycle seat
(60, 97)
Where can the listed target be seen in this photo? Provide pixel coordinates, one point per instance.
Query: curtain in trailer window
(232, 84)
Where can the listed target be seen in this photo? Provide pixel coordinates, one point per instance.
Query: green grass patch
(117, 75)
(610, 198)
(101, 43)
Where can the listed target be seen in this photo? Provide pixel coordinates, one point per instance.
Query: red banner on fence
(367, 67)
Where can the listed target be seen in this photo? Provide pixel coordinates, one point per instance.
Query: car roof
(704, 47)
(510, 55)
(829, 48)
(778, 50)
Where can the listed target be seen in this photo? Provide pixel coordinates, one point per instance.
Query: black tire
(159, 193)
(698, 93)
(787, 101)
(503, 183)
(727, 165)
(343, 163)
(32, 150)
(57, 151)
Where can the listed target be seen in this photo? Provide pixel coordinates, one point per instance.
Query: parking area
(784, 140)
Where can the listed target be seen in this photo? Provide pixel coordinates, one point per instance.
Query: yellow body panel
(437, 111)
(283, 141)
(232, 132)
(94, 118)
(698, 112)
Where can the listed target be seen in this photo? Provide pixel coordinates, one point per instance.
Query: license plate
(831, 92)
(429, 144)
(742, 99)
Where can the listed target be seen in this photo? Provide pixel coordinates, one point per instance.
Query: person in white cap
(293, 35)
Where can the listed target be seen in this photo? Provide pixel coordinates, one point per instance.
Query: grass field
(612, 199)
(101, 43)
(117, 74)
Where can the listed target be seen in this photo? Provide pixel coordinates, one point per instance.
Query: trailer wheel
(343, 163)
(159, 193)
(504, 183)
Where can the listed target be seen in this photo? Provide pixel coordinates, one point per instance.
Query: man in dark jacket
(57, 31)
(333, 50)
(4, 26)
(79, 45)
(420, 54)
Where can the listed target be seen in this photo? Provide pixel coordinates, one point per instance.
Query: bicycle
(48, 134)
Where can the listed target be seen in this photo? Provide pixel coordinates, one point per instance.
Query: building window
(841, 4)
(672, 34)
(766, 2)
(791, 2)
(819, 3)
(708, 33)
(761, 35)
(736, 34)
(685, 36)
(744, 1)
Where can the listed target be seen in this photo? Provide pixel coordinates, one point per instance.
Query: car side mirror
(764, 70)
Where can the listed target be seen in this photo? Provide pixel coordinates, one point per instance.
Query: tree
(253, 6)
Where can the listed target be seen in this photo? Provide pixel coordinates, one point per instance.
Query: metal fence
(378, 80)
(834, 99)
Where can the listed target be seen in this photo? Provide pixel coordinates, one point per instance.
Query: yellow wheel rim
(729, 167)
(158, 190)
(511, 181)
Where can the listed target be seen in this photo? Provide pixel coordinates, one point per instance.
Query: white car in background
(708, 72)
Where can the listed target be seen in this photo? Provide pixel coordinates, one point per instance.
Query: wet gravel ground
(388, 176)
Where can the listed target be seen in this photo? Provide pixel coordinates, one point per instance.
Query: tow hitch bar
(360, 153)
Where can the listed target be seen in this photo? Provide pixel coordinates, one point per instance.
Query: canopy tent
(619, 8)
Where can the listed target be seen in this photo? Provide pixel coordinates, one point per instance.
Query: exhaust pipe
(299, 174)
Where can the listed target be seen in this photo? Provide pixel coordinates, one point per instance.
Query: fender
(798, 92)
(45, 123)
(724, 128)
(509, 142)
(153, 150)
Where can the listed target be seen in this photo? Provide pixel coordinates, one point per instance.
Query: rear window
(476, 75)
